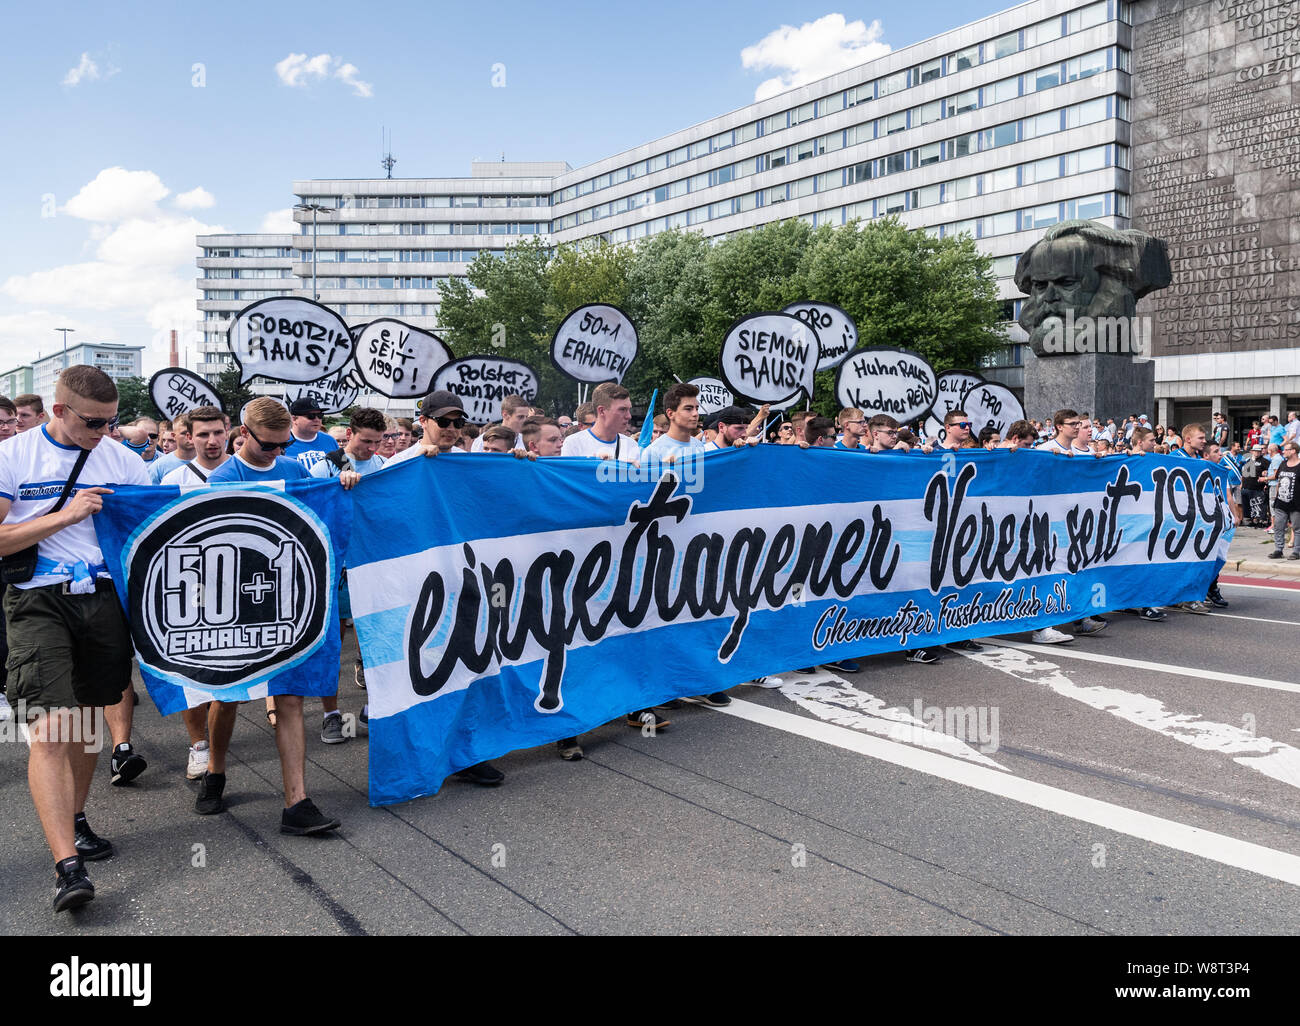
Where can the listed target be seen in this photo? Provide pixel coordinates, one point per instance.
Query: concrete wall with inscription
(1216, 169)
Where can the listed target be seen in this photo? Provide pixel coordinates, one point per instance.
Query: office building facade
(114, 358)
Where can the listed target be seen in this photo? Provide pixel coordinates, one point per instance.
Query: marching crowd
(69, 653)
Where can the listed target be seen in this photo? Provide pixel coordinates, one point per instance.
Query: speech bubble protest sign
(770, 357)
(837, 335)
(993, 405)
(481, 382)
(882, 380)
(289, 340)
(175, 390)
(953, 386)
(398, 360)
(333, 394)
(714, 395)
(595, 343)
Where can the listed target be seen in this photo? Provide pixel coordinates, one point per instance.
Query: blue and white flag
(528, 602)
(230, 589)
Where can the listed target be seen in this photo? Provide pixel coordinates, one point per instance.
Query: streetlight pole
(65, 344)
(315, 208)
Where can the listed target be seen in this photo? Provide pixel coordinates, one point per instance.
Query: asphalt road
(1144, 781)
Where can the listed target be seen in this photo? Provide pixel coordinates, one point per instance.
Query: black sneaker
(672, 703)
(966, 646)
(1152, 615)
(364, 714)
(484, 774)
(718, 700)
(125, 764)
(1215, 598)
(209, 802)
(922, 655)
(646, 718)
(305, 818)
(844, 666)
(1275, 555)
(90, 846)
(72, 887)
(568, 749)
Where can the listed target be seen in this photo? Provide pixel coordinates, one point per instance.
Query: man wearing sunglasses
(141, 437)
(266, 435)
(441, 419)
(8, 419)
(308, 443)
(70, 649)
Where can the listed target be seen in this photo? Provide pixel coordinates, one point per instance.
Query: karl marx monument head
(1087, 268)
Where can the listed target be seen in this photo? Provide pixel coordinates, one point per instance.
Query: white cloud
(812, 51)
(279, 222)
(117, 194)
(298, 69)
(141, 277)
(196, 199)
(86, 69)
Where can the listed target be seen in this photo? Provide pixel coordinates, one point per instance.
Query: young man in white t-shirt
(70, 648)
(542, 437)
(682, 409)
(515, 409)
(605, 439)
(205, 430)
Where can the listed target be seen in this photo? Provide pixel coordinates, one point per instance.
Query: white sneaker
(767, 682)
(6, 710)
(197, 764)
(1051, 636)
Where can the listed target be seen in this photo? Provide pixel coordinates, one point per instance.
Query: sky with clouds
(130, 128)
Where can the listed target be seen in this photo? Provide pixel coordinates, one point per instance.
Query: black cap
(734, 415)
(440, 403)
(305, 407)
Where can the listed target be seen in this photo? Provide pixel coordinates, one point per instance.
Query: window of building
(1087, 207)
(775, 123)
(1005, 46)
(1122, 204)
(963, 102)
(864, 211)
(803, 113)
(1086, 113)
(893, 164)
(1043, 32)
(698, 182)
(896, 203)
(894, 83)
(858, 173)
(1004, 266)
(803, 187)
(1002, 178)
(968, 227)
(830, 104)
(1084, 67)
(746, 202)
(1042, 170)
(1007, 89)
(1123, 59)
(1040, 217)
(831, 143)
(1000, 135)
(858, 94)
(896, 122)
(747, 132)
(1091, 159)
(963, 145)
(1122, 158)
(963, 59)
(861, 133)
(1086, 17)
(999, 224)
(931, 153)
(929, 71)
(928, 113)
(721, 141)
(927, 196)
(1043, 78)
(804, 150)
(1040, 124)
(962, 188)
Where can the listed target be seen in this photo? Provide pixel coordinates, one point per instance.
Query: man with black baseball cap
(441, 417)
(308, 444)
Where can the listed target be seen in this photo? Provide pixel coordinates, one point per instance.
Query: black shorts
(66, 650)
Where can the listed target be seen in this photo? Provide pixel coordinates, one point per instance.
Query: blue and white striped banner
(512, 604)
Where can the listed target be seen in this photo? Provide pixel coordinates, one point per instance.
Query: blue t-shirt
(309, 453)
(284, 469)
(326, 468)
(163, 465)
(1277, 435)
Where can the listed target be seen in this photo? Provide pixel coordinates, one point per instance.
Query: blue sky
(301, 91)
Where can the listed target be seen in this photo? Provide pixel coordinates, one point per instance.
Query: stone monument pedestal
(1099, 384)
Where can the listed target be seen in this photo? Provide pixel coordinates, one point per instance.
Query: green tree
(232, 394)
(133, 400)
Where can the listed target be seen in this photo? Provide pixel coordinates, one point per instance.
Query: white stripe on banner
(1167, 833)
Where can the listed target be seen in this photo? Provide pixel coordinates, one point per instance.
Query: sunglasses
(266, 446)
(450, 422)
(393, 437)
(97, 423)
(961, 424)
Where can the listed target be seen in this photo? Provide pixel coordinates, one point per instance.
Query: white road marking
(1256, 619)
(1272, 758)
(1141, 664)
(1261, 587)
(831, 698)
(1228, 851)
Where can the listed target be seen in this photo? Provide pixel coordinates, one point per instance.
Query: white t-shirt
(183, 476)
(1052, 445)
(33, 469)
(585, 443)
(667, 446)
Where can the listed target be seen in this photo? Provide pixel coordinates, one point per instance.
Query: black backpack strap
(197, 472)
(72, 479)
(339, 458)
